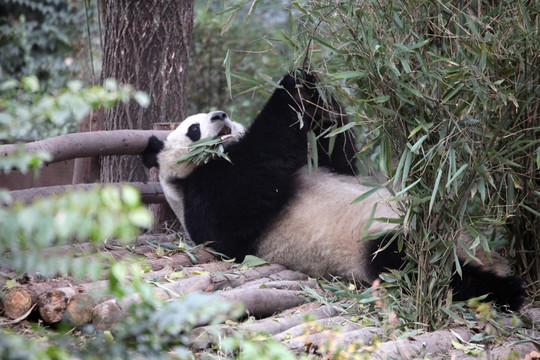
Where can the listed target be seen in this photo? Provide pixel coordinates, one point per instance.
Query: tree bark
(146, 44)
(86, 170)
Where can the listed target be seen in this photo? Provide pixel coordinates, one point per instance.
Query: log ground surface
(285, 305)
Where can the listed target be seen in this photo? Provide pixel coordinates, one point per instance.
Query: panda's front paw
(301, 87)
(299, 80)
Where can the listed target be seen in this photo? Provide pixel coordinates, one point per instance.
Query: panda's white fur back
(328, 244)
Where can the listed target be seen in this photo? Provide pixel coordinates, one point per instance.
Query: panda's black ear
(149, 155)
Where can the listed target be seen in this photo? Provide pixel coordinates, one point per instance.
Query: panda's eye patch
(194, 132)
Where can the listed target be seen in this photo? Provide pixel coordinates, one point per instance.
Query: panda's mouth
(225, 132)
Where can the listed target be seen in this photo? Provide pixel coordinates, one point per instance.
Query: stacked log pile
(279, 299)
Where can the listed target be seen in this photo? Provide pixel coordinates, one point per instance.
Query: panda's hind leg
(505, 291)
(384, 255)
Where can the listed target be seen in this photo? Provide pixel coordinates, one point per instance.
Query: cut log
(204, 335)
(174, 260)
(437, 342)
(234, 280)
(53, 301)
(52, 306)
(280, 285)
(18, 301)
(283, 322)
(79, 309)
(343, 322)
(264, 302)
(284, 275)
(332, 339)
(106, 314)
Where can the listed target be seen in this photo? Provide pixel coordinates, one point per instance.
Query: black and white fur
(265, 201)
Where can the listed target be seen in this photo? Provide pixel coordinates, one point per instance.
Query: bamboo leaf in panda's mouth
(204, 150)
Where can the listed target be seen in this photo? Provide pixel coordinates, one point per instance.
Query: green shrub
(446, 96)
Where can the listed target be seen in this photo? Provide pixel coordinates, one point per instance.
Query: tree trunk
(86, 170)
(147, 45)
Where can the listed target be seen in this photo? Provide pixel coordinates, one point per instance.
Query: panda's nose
(218, 115)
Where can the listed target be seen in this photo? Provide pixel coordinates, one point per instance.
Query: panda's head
(165, 155)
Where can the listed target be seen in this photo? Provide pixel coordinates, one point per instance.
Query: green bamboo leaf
(376, 235)
(406, 167)
(227, 63)
(415, 130)
(414, 148)
(456, 175)
(343, 75)
(400, 166)
(369, 192)
(292, 23)
(531, 210)
(401, 192)
(381, 99)
(370, 219)
(457, 262)
(410, 89)
(385, 156)
(452, 94)
(482, 189)
(299, 7)
(435, 189)
(312, 141)
(251, 261)
(340, 130)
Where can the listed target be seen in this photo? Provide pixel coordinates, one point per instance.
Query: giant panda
(268, 202)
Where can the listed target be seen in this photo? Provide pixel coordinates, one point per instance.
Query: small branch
(89, 144)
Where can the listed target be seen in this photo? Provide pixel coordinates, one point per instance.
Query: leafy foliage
(446, 95)
(26, 112)
(42, 38)
(95, 215)
(241, 48)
